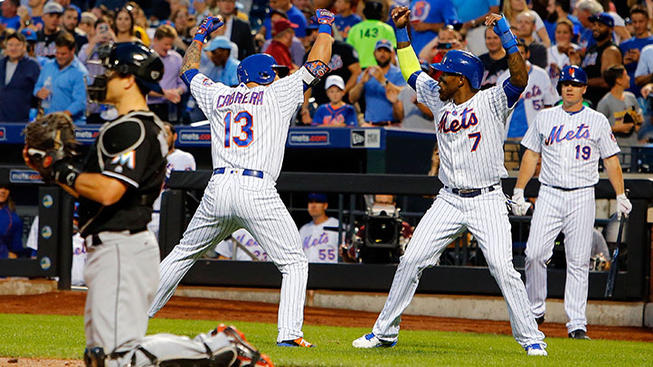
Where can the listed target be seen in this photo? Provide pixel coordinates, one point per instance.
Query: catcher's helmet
(257, 68)
(573, 73)
(136, 59)
(463, 63)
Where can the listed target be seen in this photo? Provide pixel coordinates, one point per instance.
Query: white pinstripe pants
(232, 201)
(573, 213)
(486, 217)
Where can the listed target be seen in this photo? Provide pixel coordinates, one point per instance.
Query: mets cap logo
(572, 72)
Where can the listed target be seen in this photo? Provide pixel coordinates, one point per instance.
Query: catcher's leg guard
(248, 355)
(168, 350)
(94, 357)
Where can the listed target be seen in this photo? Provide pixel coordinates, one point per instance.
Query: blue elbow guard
(412, 80)
(188, 75)
(512, 92)
(508, 40)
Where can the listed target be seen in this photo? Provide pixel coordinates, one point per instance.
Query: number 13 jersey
(571, 144)
(249, 126)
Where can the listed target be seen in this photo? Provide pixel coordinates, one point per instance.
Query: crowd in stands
(49, 50)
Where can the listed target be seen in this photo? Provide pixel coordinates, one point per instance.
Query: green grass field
(62, 337)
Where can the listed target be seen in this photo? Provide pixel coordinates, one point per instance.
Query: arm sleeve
(79, 96)
(533, 139)
(606, 141)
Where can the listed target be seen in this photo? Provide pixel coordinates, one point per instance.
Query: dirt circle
(72, 303)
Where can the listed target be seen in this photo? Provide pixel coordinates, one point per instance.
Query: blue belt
(470, 193)
(246, 172)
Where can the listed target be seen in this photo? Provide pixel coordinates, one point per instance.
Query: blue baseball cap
(383, 44)
(317, 197)
(30, 34)
(604, 18)
(219, 42)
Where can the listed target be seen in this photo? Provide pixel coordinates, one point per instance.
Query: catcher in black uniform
(116, 185)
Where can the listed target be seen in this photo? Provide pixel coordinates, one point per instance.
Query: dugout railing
(631, 284)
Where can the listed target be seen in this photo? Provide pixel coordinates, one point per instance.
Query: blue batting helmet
(573, 73)
(258, 68)
(463, 63)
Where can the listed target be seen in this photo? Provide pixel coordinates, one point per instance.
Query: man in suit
(18, 74)
(237, 30)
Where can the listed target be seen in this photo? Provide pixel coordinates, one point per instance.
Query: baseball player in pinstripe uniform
(570, 139)
(470, 132)
(249, 126)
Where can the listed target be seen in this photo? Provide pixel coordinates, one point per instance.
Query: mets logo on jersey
(467, 119)
(125, 159)
(556, 135)
(207, 82)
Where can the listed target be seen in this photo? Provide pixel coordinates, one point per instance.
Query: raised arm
(317, 62)
(516, 64)
(191, 63)
(408, 61)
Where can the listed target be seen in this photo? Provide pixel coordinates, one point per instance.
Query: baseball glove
(50, 141)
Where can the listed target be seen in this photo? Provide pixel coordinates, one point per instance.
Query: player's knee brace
(94, 357)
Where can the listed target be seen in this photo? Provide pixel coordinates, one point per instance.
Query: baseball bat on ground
(614, 262)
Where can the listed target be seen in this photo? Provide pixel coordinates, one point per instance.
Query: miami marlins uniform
(229, 248)
(249, 127)
(178, 160)
(320, 241)
(538, 93)
(470, 138)
(570, 144)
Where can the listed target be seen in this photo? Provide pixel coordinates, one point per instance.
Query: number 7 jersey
(571, 145)
(249, 126)
(470, 135)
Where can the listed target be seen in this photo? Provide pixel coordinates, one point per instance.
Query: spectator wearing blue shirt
(61, 86)
(294, 15)
(11, 227)
(631, 49)
(337, 112)
(472, 14)
(18, 74)
(10, 18)
(426, 19)
(379, 83)
(345, 17)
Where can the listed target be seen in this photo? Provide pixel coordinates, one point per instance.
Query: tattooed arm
(518, 72)
(191, 58)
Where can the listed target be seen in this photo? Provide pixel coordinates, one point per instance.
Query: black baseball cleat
(579, 334)
(540, 320)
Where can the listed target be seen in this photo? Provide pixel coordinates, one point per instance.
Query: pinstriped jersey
(571, 145)
(249, 126)
(470, 135)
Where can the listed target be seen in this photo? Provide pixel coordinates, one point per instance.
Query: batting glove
(208, 26)
(518, 204)
(623, 205)
(325, 19)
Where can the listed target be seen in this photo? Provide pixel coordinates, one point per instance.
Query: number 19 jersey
(570, 144)
(249, 126)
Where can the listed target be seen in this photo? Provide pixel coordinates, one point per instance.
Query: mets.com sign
(24, 176)
(308, 138)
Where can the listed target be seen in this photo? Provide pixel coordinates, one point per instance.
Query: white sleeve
(539, 24)
(497, 102)
(428, 92)
(606, 141)
(533, 139)
(550, 93)
(290, 90)
(643, 63)
(205, 91)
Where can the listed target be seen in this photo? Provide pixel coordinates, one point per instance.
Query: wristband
(402, 35)
(324, 28)
(508, 40)
(199, 37)
(64, 172)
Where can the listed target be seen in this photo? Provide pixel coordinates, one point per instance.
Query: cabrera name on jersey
(470, 135)
(249, 126)
(571, 145)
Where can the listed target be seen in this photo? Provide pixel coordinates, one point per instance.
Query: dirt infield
(28, 362)
(72, 303)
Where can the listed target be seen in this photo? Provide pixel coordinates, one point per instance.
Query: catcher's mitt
(49, 140)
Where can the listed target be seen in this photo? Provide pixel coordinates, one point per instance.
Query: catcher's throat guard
(97, 91)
